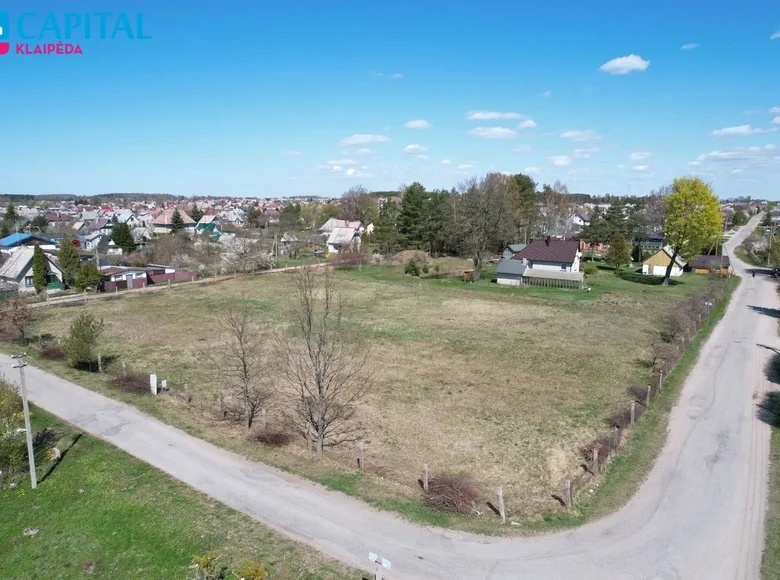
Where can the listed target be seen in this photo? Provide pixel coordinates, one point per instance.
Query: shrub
(272, 437)
(639, 392)
(132, 383)
(207, 566)
(591, 269)
(436, 268)
(252, 571)
(51, 351)
(406, 255)
(10, 408)
(605, 444)
(425, 268)
(412, 268)
(14, 316)
(351, 258)
(82, 340)
(620, 419)
(451, 493)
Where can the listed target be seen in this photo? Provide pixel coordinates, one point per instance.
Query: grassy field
(770, 569)
(102, 514)
(503, 384)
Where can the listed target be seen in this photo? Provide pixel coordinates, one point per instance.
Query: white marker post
(380, 563)
(153, 383)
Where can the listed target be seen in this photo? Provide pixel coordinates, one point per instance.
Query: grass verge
(103, 514)
(770, 567)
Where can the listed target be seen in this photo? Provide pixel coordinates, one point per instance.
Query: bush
(132, 383)
(207, 566)
(351, 258)
(416, 255)
(10, 408)
(425, 268)
(51, 351)
(252, 571)
(436, 268)
(605, 444)
(272, 437)
(82, 340)
(412, 268)
(620, 419)
(591, 269)
(639, 392)
(451, 493)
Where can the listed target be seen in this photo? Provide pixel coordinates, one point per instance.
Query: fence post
(501, 510)
(124, 369)
(360, 456)
(100, 363)
(616, 442)
(595, 467)
(648, 395)
(660, 379)
(425, 477)
(567, 498)
(633, 412)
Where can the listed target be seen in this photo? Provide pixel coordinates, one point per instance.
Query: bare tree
(327, 365)
(350, 202)
(555, 206)
(246, 255)
(14, 316)
(240, 359)
(484, 215)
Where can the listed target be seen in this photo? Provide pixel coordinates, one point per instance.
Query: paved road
(699, 514)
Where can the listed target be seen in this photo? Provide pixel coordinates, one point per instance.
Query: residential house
(577, 221)
(101, 226)
(287, 242)
(652, 242)
(100, 242)
(162, 223)
(512, 249)
(22, 239)
(510, 272)
(342, 238)
(18, 269)
(707, 264)
(551, 254)
(56, 218)
(657, 264)
(334, 223)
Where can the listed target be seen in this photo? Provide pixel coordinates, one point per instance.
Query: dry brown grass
(504, 388)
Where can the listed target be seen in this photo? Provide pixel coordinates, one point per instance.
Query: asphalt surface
(699, 514)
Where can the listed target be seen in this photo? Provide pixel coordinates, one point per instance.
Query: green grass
(501, 383)
(104, 514)
(770, 568)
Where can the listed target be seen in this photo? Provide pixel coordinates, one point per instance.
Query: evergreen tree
(196, 213)
(177, 222)
(290, 215)
(616, 220)
(87, 276)
(439, 222)
(385, 234)
(412, 221)
(114, 219)
(39, 223)
(82, 340)
(10, 214)
(4, 231)
(596, 232)
(123, 237)
(69, 260)
(619, 252)
(327, 211)
(40, 270)
(524, 207)
(254, 217)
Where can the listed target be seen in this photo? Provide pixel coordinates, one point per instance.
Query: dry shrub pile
(51, 351)
(132, 383)
(272, 437)
(451, 493)
(409, 255)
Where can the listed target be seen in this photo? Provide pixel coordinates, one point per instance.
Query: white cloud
(621, 166)
(492, 115)
(776, 121)
(465, 166)
(415, 149)
(527, 124)
(522, 149)
(736, 171)
(775, 35)
(625, 64)
(493, 133)
(342, 162)
(528, 170)
(446, 162)
(640, 167)
(689, 46)
(396, 76)
(363, 151)
(741, 130)
(774, 110)
(422, 157)
(417, 124)
(746, 157)
(350, 172)
(640, 155)
(585, 153)
(546, 94)
(291, 153)
(586, 135)
(560, 160)
(363, 139)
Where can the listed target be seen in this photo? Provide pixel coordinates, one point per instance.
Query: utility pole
(771, 237)
(20, 364)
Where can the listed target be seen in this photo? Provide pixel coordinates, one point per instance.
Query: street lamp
(20, 364)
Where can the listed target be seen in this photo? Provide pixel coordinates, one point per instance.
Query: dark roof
(549, 250)
(654, 238)
(510, 266)
(709, 262)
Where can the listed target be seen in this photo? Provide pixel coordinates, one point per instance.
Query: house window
(563, 266)
(28, 281)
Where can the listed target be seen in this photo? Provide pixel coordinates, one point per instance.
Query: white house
(577, 220)
(18, 269)
(342, 238)
(551, 254)
(657, 264)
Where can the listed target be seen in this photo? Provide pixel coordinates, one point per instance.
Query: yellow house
(657, 264)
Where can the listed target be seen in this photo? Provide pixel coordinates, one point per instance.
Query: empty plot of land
(502, 384)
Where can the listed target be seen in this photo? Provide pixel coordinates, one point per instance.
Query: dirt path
(698, 515)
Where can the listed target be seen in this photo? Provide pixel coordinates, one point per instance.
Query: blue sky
(284, 98)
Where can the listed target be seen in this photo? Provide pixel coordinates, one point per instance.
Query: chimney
(547, 241)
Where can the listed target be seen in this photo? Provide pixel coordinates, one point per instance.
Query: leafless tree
(350, 202)
(240, 360)
(555, 206)
(484, 215)
(327, 364)
(246, 255)
(14, 316)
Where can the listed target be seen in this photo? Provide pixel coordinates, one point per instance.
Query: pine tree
(10, 214)
(40, 270)
(196, 213)
(385, 234)
(619, 252)
(413, 217)
(82, 340)
(87, 276)
(69, 260)
(177, 222)
(123, 237)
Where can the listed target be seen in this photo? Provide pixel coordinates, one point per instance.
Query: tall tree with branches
(240, 359)
(484, 215)
(327, 365)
